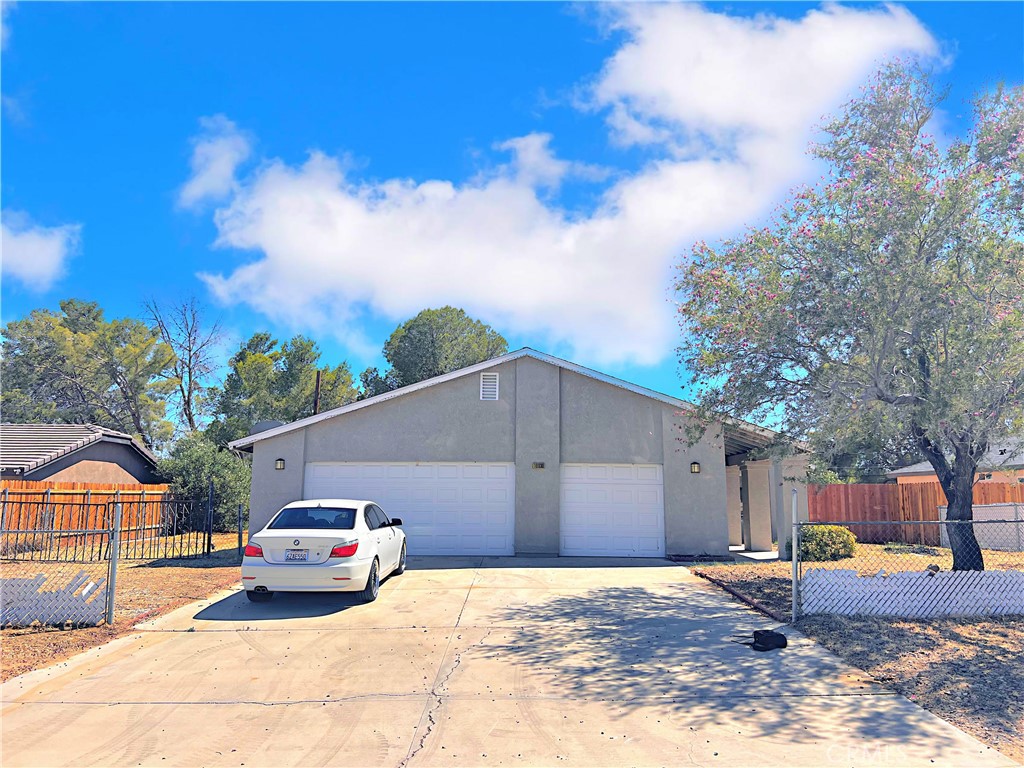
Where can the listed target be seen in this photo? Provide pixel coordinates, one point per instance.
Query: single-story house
(74, 453)
(1002, 464)
(530, 454)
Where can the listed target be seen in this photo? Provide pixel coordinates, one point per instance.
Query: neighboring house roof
(1002, 457)
(745, 436)
(25, 448)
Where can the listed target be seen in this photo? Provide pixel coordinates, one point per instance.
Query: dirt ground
(969, 672)
(144, 589)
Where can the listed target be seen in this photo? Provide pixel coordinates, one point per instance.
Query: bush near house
(824, 542)
(194, 462)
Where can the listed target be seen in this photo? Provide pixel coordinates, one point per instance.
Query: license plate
(296, 554)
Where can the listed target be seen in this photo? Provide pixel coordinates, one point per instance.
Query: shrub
(193, 462)
(824, 542)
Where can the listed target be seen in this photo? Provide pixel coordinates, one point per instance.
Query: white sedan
(324, 545)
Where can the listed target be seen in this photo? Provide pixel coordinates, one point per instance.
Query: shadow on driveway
(285, 605)
(670, 648)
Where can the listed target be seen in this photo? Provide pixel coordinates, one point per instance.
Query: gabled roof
(25, 448)
(752, 432)
(1001, 457)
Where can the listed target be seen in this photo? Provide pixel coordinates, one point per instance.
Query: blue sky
(331, 169)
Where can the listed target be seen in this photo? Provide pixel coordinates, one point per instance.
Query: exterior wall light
(695, 468)
(279, 464)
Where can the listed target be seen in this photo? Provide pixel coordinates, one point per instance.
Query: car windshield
(315, 517)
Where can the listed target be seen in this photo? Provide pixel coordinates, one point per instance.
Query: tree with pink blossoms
(888, 299)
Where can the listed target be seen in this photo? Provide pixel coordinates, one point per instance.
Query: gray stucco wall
(544, 414)
(537, 441)
(695, 505)
(273, 488)
(447, 422)
(605, 424)
(602, 423)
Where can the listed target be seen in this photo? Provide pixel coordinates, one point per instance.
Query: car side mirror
(396, 521)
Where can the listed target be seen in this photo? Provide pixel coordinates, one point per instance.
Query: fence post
(115, 546)
(239, 530)
(796, 569)
(3, 514)
(49, 522)
(117, 501)
(209, 519)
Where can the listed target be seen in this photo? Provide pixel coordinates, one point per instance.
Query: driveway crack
(437, 697)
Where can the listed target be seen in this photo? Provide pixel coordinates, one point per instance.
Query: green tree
(887, 299)
(863, 451)
(268, 380)
(193, 462)
(434, 342)
(75, 366)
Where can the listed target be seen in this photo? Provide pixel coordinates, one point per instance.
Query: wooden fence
(36, 504)
(896, 503)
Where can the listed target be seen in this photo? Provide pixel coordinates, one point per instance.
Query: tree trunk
(959, 490)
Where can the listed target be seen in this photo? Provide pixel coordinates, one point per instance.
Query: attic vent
(488, 386)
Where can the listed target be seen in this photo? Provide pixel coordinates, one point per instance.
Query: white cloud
(216, 154)
(535, 165)
(6, 6)
(35, 255)
(686, 71)
(727, 106)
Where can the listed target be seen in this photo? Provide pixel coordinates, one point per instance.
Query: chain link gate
(58, 559)
(55, 568)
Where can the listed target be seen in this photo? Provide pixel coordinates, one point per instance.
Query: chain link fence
(973, 568)
(55, 565)
(58, 558)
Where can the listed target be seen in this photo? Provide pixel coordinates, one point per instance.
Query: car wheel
(259, 597)
(369, 593)
(401, 562)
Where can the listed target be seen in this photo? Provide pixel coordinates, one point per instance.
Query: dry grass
(144, 589)
(969, 672)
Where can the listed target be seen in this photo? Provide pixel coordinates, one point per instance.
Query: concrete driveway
(496, 661)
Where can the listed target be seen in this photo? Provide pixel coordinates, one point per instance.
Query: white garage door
(615, 510)
(446, 509)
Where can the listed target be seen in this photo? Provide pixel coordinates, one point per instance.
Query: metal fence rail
(164, 528)
(57, 530)
(157, 527)
(895, 578)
